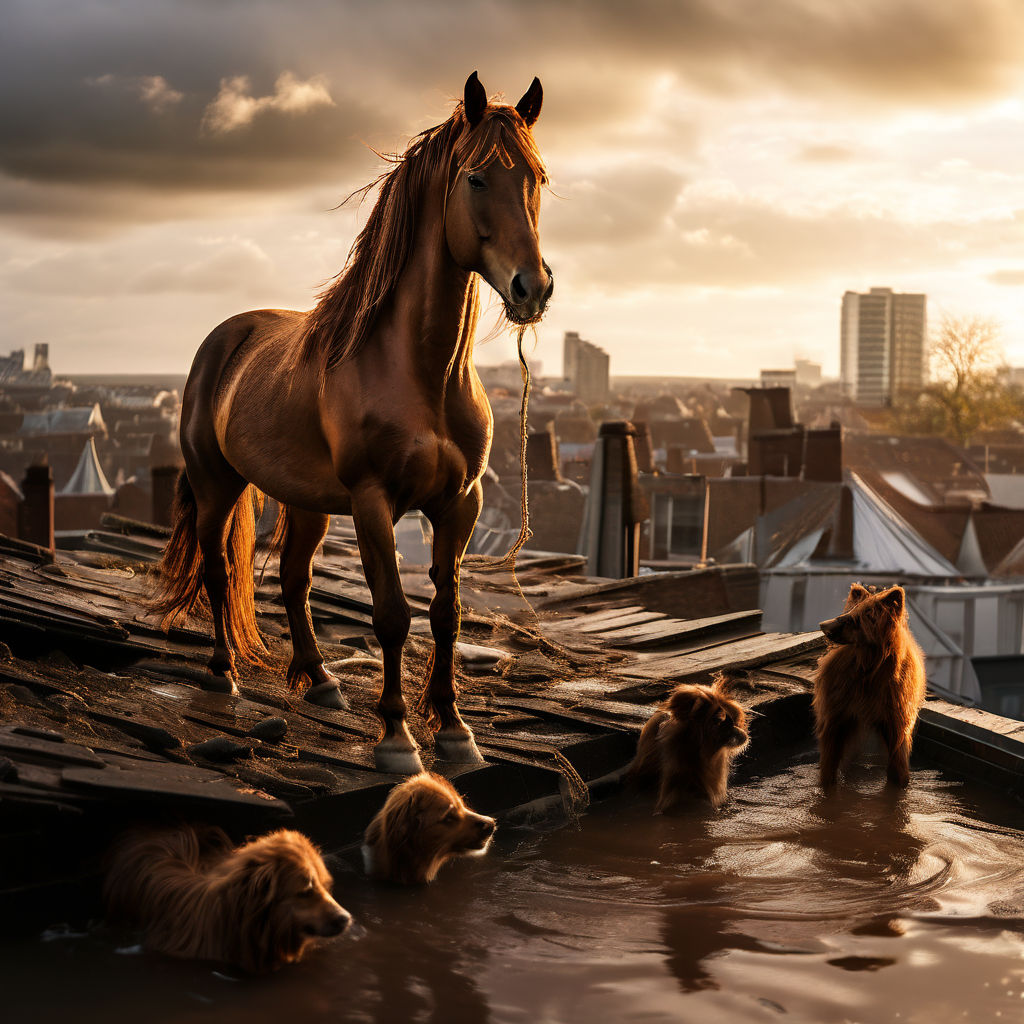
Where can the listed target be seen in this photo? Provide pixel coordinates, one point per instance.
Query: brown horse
(368, 405)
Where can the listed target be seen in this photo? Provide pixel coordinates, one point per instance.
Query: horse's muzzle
(528, 295)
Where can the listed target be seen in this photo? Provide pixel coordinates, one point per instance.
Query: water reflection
(872, 904)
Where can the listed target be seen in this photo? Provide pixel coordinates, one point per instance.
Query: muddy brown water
(870, 906)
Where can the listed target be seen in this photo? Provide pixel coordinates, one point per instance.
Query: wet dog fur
(687, 745)
(423, 824)
(195, 895)
(871, 678)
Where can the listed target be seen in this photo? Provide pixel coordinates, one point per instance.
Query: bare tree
(966, 349)
(968, 395)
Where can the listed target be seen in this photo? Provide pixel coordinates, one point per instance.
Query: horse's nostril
(517, 289)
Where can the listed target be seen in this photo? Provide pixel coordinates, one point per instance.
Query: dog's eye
(450, 815)
(476, 183)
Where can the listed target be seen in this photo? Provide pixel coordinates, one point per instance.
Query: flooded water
(871, 906)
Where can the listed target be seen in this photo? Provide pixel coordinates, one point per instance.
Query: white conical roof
(88, 476)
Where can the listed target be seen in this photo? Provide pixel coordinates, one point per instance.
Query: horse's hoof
(220, 682)
(396, 760)
(327, 695)
(457, 746)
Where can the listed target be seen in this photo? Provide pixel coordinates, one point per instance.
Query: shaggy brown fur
(688, 744)
(872, 677)
(257, 906)
(423, 824)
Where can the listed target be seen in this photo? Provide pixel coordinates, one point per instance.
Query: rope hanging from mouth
(487, 563)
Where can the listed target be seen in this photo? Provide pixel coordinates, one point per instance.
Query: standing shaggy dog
(871, 678)
(257, 906)
(688, 744)
(423, 824)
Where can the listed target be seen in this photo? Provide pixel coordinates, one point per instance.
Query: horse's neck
(431, 312)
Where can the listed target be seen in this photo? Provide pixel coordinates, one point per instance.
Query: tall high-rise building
(585, 368)
(882, 346)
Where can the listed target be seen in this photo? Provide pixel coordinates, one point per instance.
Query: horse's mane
(341, 322)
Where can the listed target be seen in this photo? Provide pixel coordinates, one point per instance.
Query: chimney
(35, 514)
(164, 480)
(644, 448)
(542, 454)
(615, 505)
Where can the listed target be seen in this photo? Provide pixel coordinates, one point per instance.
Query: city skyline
(719, 179)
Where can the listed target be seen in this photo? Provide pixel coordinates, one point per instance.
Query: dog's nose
(338, 923)
(487, 826)
(739, 737)
(829, 627)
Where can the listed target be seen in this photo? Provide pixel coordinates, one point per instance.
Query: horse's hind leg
(304, 535)
(452, 530)
(215, 502)
(396, 751)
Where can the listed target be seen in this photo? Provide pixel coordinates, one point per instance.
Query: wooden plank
(660, 634)
(577, 619)
(19, 747)
(572, 715)
(619, 622)
(170, 781)
(749, 653)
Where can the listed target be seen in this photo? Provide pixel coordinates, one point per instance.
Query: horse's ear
(474, 101)
(529, 106)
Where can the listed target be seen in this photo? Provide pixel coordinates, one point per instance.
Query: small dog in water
(423, 824)
(256, 906)
(872, 677)
(688, 744)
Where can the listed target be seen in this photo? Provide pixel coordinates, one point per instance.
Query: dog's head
(708, 716)
(281, 893)
(868, 616)
(423, 823)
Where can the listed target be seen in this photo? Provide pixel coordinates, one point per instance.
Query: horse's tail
(181, 571)
(181, 568)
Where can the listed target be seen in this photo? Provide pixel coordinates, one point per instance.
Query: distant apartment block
(882, 347)
(804, 374)
(808, 374)
(778, 379)
(585, 368)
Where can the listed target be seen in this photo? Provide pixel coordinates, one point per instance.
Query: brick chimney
(35, 514)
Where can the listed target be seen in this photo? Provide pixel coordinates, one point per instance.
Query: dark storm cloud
(59, 122)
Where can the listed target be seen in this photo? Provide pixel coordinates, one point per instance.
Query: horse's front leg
(396, 750)
(452, 530)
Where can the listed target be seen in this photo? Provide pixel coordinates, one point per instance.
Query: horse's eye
(477, 184)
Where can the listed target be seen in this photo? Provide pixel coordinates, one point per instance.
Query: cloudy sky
(722, 169)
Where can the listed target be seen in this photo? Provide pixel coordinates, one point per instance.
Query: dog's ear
(858, 592)
(262, 881)
(894, 599)
(405, 817)
(683, 701)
